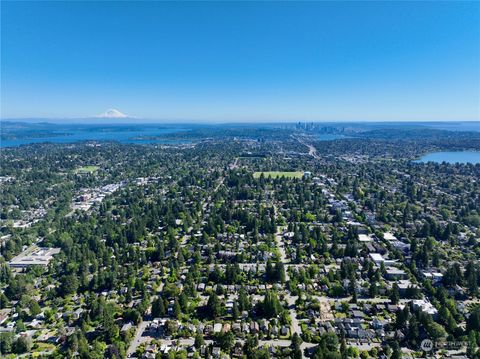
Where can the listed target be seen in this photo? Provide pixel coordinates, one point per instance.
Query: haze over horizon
(241, 62)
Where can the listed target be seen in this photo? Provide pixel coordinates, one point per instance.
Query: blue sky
(249, 61)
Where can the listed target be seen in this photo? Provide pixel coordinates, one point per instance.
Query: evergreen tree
(158, 308)
(214, 306)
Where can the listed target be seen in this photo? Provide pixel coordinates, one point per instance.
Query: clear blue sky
(250, 61)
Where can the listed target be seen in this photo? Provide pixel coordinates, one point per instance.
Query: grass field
(274, 174)
(86, 169)
(40, 348)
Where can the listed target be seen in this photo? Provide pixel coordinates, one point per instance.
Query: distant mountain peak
(112, 113)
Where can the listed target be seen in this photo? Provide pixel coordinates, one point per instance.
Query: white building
(34, 256)
(425, 306)
(378, 259)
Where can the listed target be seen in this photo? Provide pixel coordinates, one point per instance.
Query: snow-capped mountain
(112, 113)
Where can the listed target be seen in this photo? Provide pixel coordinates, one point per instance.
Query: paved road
(186, 342)
(296, 328)
(312, 151)
(281, 249)
(138, 338)
(347, 299)
(191, 341)
(232, 166)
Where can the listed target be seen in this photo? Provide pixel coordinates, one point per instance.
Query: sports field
(275, 174)
(86, 169)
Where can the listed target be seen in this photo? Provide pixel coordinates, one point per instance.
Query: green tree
(177, 310)
(214, 306)
(34, 308)
(199, 341)
(20, 326)
(473, 321)
(3, 301)
(397, 352)
(226, 341)
(158, 308)
(250, 345)
(22, 345)
(296, 342)
(69, 284)
(271, 306)
(6, 342)
(395, 294)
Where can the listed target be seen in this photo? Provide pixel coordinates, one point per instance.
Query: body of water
(74, 133)
(331, 137)
(456, 126)
(452, 157)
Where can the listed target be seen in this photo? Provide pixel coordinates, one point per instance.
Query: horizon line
(146, 120)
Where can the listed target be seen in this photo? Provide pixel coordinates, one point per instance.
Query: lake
(451, 157)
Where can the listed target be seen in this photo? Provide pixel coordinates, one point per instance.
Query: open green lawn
(86, 169)
(274, 174)
(42, 347)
